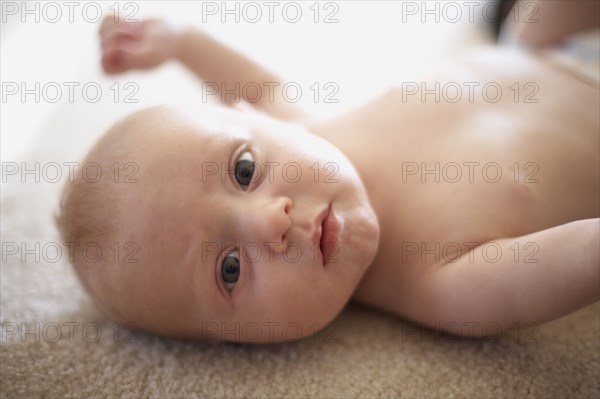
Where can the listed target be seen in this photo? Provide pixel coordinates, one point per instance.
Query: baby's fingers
(113, 61)
(109, 24)
(120, 47)
(116, 59)
(134, 45)
(118, 35)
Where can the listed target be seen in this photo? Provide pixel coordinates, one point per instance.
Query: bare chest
(445, 179)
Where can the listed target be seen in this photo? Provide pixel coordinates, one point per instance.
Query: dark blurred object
(504, 7)
(547, 21)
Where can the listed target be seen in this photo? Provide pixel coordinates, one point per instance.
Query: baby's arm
(544, 23)
(149, 43)
(529, 279)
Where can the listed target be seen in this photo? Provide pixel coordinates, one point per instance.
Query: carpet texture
(54, 344)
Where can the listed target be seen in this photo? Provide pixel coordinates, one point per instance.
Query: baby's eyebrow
(215, 168)
(224, 150)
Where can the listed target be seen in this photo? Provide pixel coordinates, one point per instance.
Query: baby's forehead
(185, 150)
(183, 160)
(211, 128)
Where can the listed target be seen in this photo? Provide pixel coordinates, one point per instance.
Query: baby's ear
(244, 106)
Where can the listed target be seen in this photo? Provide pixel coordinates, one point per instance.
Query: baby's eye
(244, 169)
(230, 269)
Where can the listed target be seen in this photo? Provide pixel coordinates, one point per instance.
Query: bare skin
(559, 185)
(438, 262)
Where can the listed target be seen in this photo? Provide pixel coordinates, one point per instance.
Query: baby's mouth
(330, 232)
(317, 236)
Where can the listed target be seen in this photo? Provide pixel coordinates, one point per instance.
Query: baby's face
(247, 231)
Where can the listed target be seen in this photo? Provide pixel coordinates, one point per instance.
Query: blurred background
(363, 47)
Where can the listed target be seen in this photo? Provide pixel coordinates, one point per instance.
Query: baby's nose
(268, 223)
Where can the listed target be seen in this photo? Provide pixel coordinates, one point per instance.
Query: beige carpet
(54, 345)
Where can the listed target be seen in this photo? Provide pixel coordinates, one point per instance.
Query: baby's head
(207, 224)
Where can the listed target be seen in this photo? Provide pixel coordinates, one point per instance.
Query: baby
(470, 216)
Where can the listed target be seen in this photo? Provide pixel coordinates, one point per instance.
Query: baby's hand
(137, 45)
